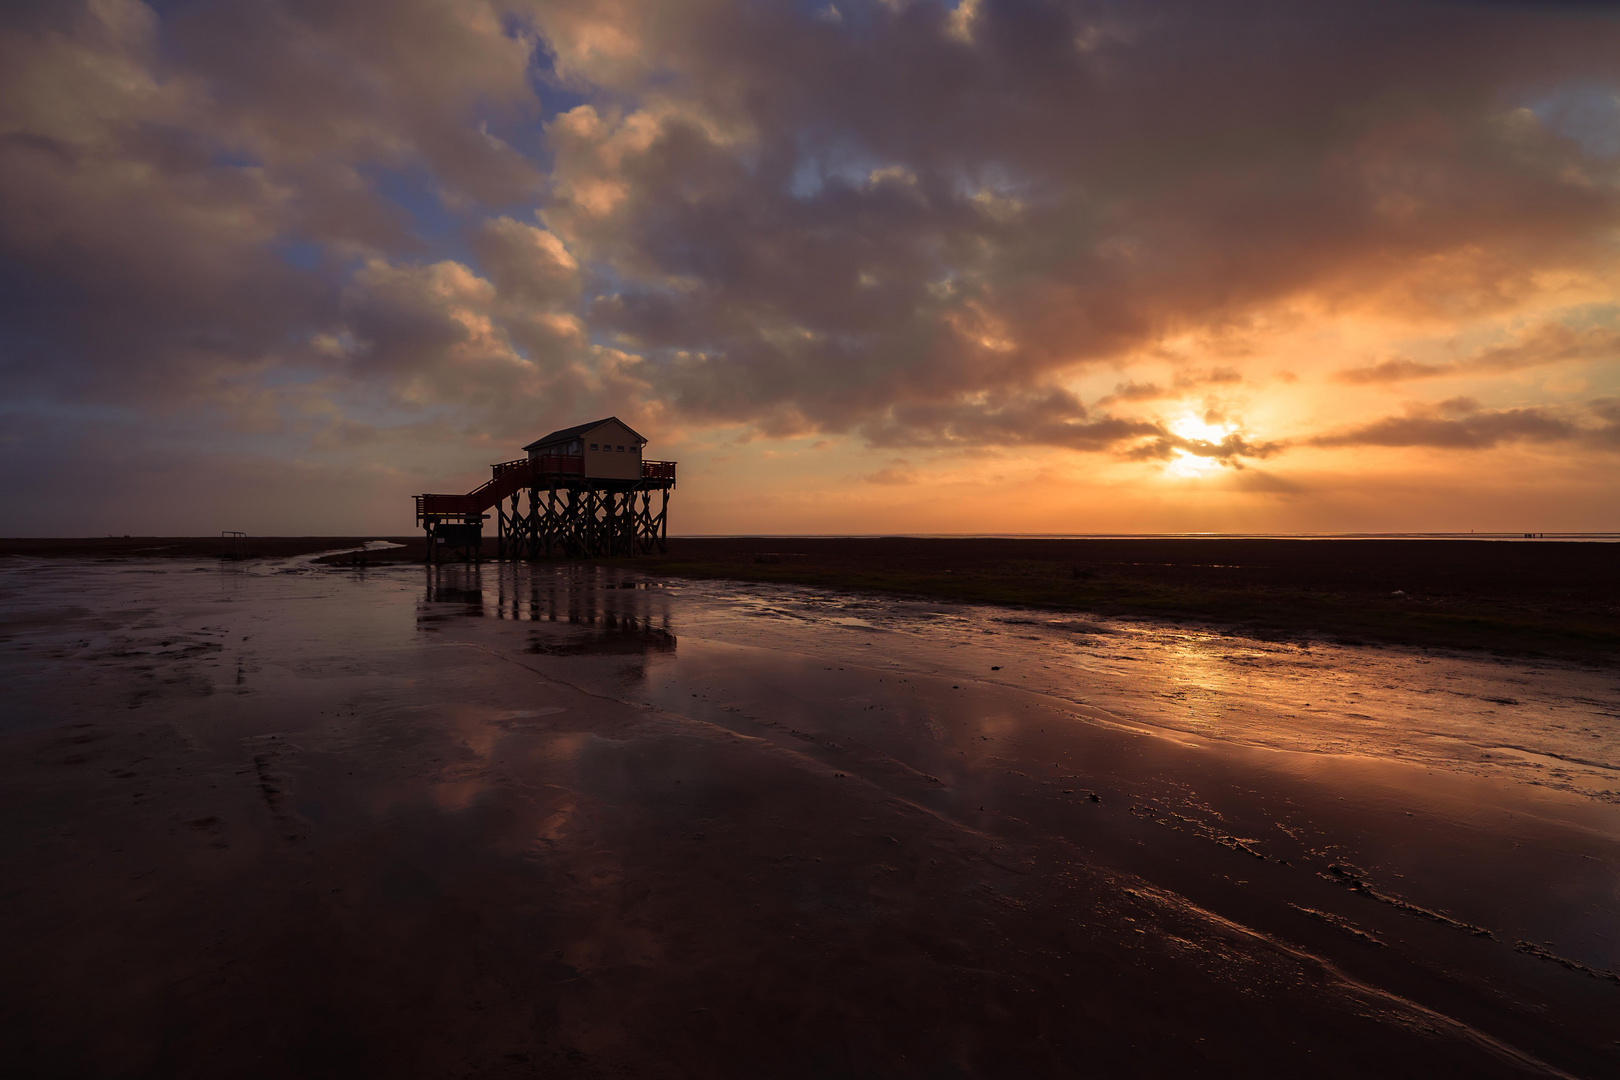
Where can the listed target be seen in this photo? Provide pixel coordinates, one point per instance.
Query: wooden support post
(575, 518)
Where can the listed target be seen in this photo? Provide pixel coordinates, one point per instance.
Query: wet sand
(1522, 597)
(275, 818)
(1535, 598)
(190, 548)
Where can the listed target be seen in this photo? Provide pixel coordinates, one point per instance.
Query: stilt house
(587, 490)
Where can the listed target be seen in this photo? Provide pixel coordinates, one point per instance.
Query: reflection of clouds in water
(1551, 723)
(1450, 709)
(482, 737)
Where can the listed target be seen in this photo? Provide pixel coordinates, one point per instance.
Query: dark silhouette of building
(588, 493)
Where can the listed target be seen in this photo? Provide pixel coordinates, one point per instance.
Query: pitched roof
(564, 434)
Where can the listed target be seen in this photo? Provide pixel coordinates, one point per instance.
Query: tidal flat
(276, 818)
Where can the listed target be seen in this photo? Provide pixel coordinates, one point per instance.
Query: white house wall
(612, 464)
(609, 464)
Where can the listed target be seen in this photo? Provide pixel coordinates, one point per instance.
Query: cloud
(1135, 391)
(1546, 343)
(183, 192)
(1228, 450)
(1608, 433)
(752, 239)
(1261, 482)
(1468, 428)
(909, 225)
(1182, 382)
(897, 473)
(1051, 418)
(1390, 371)
(791, 222)
(528, 265)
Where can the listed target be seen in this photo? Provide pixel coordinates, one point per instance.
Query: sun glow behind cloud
(1200, 430)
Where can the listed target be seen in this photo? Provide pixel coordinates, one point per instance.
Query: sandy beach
(278, 818)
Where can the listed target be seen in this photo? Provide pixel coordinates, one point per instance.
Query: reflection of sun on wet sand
(278, 819)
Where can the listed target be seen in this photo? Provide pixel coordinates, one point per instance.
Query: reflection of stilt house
(588, 493)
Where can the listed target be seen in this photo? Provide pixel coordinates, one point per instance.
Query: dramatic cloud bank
(1183, 264)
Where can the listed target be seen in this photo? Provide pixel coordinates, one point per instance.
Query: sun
(1192, 426)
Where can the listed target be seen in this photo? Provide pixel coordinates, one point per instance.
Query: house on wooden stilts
(583, 492)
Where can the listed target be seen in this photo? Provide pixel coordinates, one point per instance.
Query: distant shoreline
(71, 545)
(1555, 597)
(1514, 536)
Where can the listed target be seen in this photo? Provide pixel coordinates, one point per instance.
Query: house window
(593, 446)
(621, 449)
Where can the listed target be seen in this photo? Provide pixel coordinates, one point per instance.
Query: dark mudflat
(1552, 598)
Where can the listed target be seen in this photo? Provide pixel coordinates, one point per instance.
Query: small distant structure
(235, 545)
(589, 493)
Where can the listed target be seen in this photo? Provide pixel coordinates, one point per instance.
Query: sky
(860, 267)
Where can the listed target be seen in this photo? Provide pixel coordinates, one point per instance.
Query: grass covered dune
(1522, 597)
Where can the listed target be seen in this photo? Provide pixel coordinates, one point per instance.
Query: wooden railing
(545, 464)
(511, 476)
